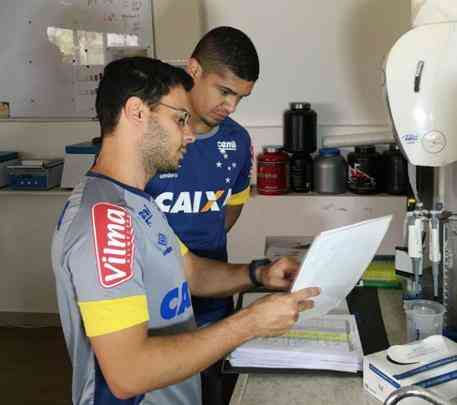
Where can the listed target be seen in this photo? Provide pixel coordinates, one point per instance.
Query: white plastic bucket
(423, 318)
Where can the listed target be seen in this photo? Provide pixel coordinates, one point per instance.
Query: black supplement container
(330, 171)
(364, 170)
(395, 168)
(300, 128)
(301, 172)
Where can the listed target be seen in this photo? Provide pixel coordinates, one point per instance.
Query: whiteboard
(53, 52)
(327, 52)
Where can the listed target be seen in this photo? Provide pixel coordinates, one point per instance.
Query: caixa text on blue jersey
(193, 202)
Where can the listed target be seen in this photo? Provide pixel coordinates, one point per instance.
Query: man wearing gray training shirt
(124, 280)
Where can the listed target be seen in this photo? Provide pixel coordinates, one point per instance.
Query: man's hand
(278, 275)
(276, 313)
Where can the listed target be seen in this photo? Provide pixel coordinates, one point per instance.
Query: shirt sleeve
(106, 268)
(241, 188)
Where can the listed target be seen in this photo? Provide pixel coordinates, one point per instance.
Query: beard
(155, 150)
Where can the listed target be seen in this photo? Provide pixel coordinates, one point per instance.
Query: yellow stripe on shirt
(240, 198)
(107, 316)
(182, 247)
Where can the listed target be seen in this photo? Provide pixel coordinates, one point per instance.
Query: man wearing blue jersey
(204, 198)
(123, 280)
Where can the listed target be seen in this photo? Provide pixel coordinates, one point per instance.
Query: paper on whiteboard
(336, 261)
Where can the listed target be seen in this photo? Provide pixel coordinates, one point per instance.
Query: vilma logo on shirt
(114, 244)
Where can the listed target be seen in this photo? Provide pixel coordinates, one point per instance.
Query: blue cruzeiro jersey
(214, 172)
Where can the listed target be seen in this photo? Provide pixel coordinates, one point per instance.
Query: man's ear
(194, 68)
(134, 110)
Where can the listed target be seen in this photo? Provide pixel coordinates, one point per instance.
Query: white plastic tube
(341, 141)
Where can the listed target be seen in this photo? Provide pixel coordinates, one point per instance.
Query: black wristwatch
(253, 266)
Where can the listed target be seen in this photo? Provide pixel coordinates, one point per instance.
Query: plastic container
(273, 171)
(395, 169)
(330, 171)
(301, 172)
(424, 318)
(300, 128)
(364, 172)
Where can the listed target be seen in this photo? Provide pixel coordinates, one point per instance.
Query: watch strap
(253, 266)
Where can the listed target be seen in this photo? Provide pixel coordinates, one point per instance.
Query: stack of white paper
(328, 343)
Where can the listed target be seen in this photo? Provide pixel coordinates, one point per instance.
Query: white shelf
(52, 192)
(347, 194)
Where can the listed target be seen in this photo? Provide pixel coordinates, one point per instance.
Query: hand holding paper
(280, 274)
(275, 314)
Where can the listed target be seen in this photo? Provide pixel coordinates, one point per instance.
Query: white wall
(170, 14)
(28, 219)
(329, 53)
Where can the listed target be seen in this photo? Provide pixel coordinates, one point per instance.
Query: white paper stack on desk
(319, 340)
(328, 343)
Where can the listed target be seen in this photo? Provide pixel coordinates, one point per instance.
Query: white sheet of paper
(336, 261)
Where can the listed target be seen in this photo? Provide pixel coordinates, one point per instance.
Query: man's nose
(230, 105)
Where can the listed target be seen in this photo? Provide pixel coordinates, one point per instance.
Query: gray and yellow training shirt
(117, 264)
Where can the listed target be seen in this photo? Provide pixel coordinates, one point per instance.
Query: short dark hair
(228, 48)
(143, 77)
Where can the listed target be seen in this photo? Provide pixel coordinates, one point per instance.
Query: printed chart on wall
(53, 52)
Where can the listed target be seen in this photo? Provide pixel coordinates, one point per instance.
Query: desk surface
(295, 389)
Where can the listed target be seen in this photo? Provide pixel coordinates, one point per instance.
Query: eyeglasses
(184, 119)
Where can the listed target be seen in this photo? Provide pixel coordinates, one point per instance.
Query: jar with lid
(273, 171)
(300, 128)
(395, 179)
(301, 172)
(330, 171)
(364, 170)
